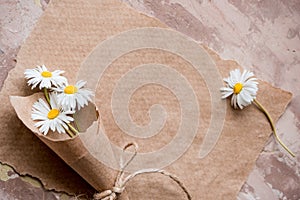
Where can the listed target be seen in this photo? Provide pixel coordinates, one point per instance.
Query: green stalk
(70, 133)
(73, 129)
(47, 95)
(273, 127)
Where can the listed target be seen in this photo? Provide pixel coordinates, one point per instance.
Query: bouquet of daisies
(62, 100)
(64, 117)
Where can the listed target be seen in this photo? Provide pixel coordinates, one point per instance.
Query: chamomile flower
(44, 78)
(53, 118)
(242, 87)
(70, 96)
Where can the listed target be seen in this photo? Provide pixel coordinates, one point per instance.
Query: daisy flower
(242, 87)
(44, 78)
(53, 118)
(70, 96)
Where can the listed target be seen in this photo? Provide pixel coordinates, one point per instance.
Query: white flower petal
(246, 96)
(239, 101)
(246, 75)
(226, 92)
(40, 112)
(233, 101)
(77, 100)
(248, 91)
(80, 84)
(35, 78)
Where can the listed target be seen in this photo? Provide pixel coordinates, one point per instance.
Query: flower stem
(70, 133)
(73, 129)
(273, 127)
(47, 95)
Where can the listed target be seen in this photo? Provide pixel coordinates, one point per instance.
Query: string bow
(121, 180)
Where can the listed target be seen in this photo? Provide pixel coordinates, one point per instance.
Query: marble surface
(261, 35)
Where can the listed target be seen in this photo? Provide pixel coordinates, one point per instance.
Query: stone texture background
(261, 35)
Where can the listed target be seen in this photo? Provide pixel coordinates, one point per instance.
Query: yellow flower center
(46, 74)
(237, 88)
(70, 89)
(53, 113)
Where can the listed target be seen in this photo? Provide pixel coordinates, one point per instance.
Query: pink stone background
(261, 35)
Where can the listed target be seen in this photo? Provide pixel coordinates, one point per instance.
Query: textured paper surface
(73, 151)
(66, 34)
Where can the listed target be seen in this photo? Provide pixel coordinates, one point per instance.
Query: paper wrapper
(73, 151)
(66, 38)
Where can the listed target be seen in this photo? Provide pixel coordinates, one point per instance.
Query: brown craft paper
(73, 151)
(66, 34)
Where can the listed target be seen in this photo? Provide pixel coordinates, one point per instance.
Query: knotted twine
(121, 180)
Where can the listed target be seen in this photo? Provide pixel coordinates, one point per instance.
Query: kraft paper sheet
(65, 36)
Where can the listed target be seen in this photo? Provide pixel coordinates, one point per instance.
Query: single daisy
(242, 87)
(44, 78)
(70, 96)
(53, 118)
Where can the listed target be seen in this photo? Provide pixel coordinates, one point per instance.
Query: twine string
(121, 180)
